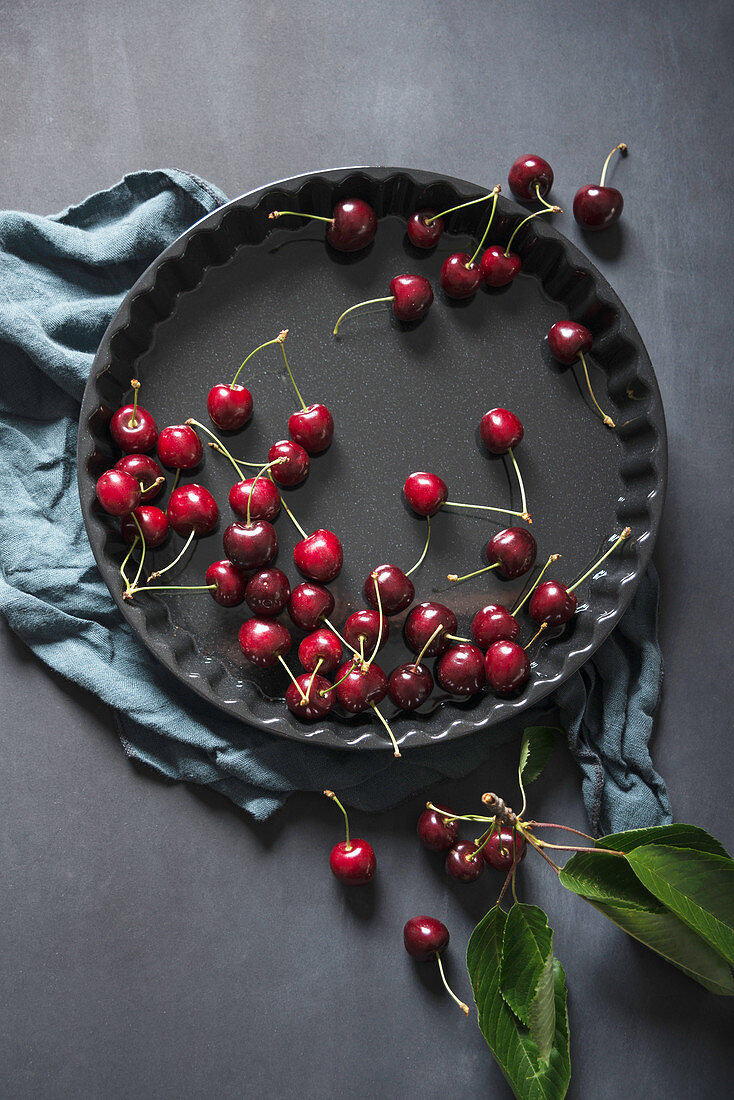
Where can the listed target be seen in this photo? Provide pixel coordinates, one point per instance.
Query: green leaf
(526, 944)
(696, 886)
(537, 744)
(597, 876)
(542, 1015)
(511, 1043)
(677, 836)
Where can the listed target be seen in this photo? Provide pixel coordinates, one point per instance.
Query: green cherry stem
(461, 206)
(283, 334)
(495, 193)
(537, 214)
(368, 302)
(425, 549)
(543, 626)
(349, 672)
(132, 422)
(375, 651)
(459, 817)
(319, 663)
(623, 150)
(464, 1008)
(219, 446)
(417, 661)
(277, 340)
(126, 559)
(169, 588)
(343, 641)
(607, 419)
(521, 483)
(176, 478)
(547, 205)
(454, 579)
(625, 535)
(299, 689)
(292, 518)
(491, 508)
(380, 715)
(259, 474)
(142, 544)
(158, 481)
(176, 560)
(528, 594)
(332, 796)
(275, 214)
(456, 638)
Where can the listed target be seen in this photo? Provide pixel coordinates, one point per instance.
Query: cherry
(353, 860)
(498, 267)
(568, 341)
(118, 492)
(259, 494)
(437, 831)
(366, 631)
(460, 670)
(264, 641)
(507, 667)
(267, 592)
(132, 427)
(320, 651)
(312, 427)
(230, 583)
(229, 406)
(530, 177)
(512, 551)
(494, 623)
(599, 207)
(309, 698)
(505, 849)
(411, 297)
(425, 493)
(359, 687)
(296, 466)
(410, 685)
(353, 224)
(146, 472)
(319, 556)
(552, 603)
(500, 430)
(192, 510)
(153, 524)
(251, 545)
(464, 862)
(309, 605)
(425, 228)
(425, 621)
(425, 938)
(179, 447)
(461, 276)
(396, 589)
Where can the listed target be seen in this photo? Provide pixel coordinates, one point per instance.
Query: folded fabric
(63, 277)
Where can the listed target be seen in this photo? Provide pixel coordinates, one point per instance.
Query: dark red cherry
(365, 626)
(229, 406)
(295, 469)
(527, 172)
(361, 688)
(321, 645)
(146, 472)
(437, 832)
(497, 268)
(410, 685)
(422, 235)
(460, 276)
(312, 428)
(265, 498)
(460, 670)
(597, 207)
(422, 622)
(552, 603)
(264, 640)
(566, 339)
(267, 592)
(354, 225)
(424, 937)
(396, 589)
(133, 434)
(153, 524)
(499, 430)
(494, 623)
(309, 605)
(230, 580)
(507, 667)
(504, 849)
(425, 493)
(118, 492)
(353, 862)
(462, 862)
(251, 546)
(412, 296)
(179, 447)
(320, 556)
(514, 548)
(192, 508)
(317, 705)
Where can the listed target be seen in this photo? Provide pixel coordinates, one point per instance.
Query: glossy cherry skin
(515, 549)
(410, 685)
(412, 297)
(192, 508)
(296, 466)
(507, 667)
(354, 225)
(424, 937)
(251, 546)
(309, 605)
(436, 832)
(267, 592)
(422, 235)
(264, 640)
(500, 429)
(323, 646)
(502, 851)
(320, 556)
(134, 438)
(566, 339)
(312, 428)
(354, 863)
(361, 688)
(230, 580)
(597, 207)
(179, 447)
(265, 498)
(230, 407)
(396, 589)
(460, 670)
(460, 278)
(497, 268)
(146, 472)
(421, 623)
(462, 863)
(153, 524)
(552, 603)
(118, 492)
(494, 623)
(366, 625)
(525, 173)
(425, 493)
(317, 705)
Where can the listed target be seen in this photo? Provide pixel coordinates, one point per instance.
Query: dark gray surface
(156, 944)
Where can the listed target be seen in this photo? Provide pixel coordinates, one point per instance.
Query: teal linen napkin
(62, 278)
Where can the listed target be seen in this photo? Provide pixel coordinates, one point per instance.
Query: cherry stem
(176, 560)
(495, 193)
(319, 663)
(464, 1008)
(380, 621)
(284, 333)
(332, 796)
(525, 513)
(344, 641)
(528, 594)
(259, 474)
(173, 588)
(368, 302)
(487, 837)
(176, 478)
(537, 214)
(135, 542)
(456, 638)
(425, 549)
(304, 698)
(509, 877)
(547, 205)
(551, 825)
(277, 340)
(417, 661)
(293, 519)
(625, 535)
(220, 447)
(461, 206)
(344, 677)
(459, 817)
(361, 649)
(396, 750)
(543, 626)
(454, 579)
(531, 840)
(132, 422)
(623, 150)
(607, 419)
(158, 481)
(491, 508)
(142, 543)
(275, 214)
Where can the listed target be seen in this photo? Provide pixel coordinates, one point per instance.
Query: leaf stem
(551, 825)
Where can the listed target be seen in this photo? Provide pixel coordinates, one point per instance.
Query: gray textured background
(154, 943)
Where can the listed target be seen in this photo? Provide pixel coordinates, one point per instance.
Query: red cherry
(425, 493)
(437, 832)
(312, 428)
(146, 472)
(599, 207)
(528, 173)
(263, 641)
(507, 667)
(552, 603)
(354, 225)
(497, 268)
(460, 275)
(265, 498)
(424, 937)
(396, 589)
(463, 863)
(179, 447)
(421, 624)
(322, 646)
(460, 670)
(309, 605)
(500, 429)
(566, 339)
(118, 492)
(362, 687)
(319, 700)
(267, 592)
(133, 429)
(353, 862)
(229, 406)
(366, 626)
(153, 524)
(494, 623)
(422, 235)
(230, 581)
(296, 466)
(251, 546)
(192, 508)
(320, 556)
(412, 297)
(514, 550)
(504, 849)
(410, 685)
